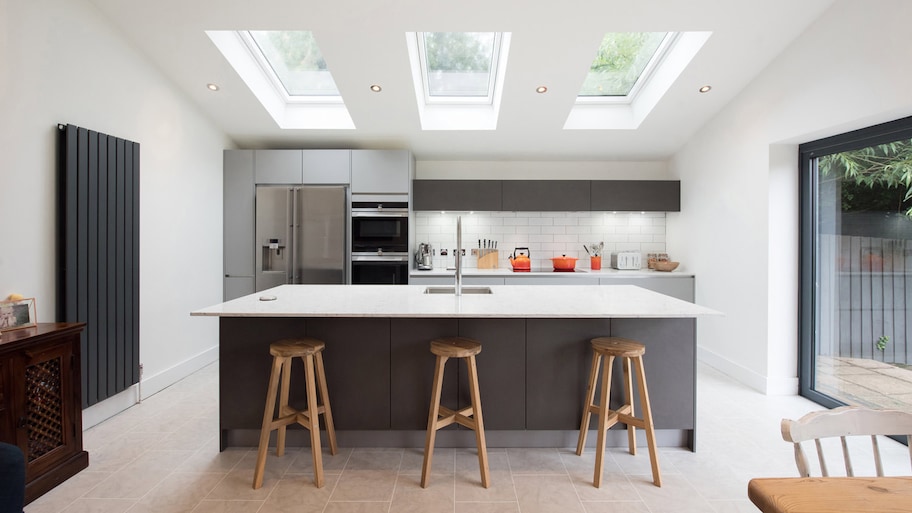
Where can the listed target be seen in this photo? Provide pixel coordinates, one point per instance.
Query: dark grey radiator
(98, 244)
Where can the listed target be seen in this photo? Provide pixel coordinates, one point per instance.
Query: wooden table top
(831, 494)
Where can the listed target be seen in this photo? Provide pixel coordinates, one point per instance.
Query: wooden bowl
(666, 266)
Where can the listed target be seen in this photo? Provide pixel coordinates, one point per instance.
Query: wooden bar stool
(310, 351)
(440, 417)
(629, 351)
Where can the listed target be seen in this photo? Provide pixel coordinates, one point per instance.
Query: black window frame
(807, 292)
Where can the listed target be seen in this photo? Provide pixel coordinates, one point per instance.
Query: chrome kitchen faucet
(458, 288)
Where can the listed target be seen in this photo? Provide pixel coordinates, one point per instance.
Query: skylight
(458, 78)
(458, 65)
(622, 62)
(294, 60)
(629, 75)
(287, 73)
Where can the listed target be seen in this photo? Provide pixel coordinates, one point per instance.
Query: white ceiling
(553, 44)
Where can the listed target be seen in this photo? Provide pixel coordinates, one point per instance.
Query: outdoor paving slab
(879, 383)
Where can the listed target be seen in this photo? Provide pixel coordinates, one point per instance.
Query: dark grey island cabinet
(533, 367)
(532, 375)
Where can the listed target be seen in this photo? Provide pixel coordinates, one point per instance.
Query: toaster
(627, 260)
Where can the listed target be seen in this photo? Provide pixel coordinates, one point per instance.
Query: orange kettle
(521, 262)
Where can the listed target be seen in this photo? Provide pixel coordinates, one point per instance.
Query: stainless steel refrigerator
(301, 235)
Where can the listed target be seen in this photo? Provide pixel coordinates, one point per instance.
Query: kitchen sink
(452, 290)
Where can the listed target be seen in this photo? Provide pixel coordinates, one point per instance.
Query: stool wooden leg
(313, 417)
(283, 404)
(436, 390)
(603, 421)
(479, 423)
(647, 421)
(267, 423)
(628, 396)
(327, 412)
(587, 406)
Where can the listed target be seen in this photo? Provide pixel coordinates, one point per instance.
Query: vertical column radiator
(98, 260)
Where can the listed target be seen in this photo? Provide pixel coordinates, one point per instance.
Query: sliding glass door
(856, 267)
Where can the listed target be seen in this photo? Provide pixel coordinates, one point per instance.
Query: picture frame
(17, 314)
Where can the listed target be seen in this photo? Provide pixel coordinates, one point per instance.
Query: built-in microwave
(379, 228)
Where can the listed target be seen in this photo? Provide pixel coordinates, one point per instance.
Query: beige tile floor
(162, 456)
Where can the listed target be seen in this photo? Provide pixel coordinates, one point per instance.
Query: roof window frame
(655, 62)
(493, 75)
(256, 53)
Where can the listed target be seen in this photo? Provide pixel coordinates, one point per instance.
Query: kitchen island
(532, 370)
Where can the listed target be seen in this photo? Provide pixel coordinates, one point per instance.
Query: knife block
(488, 258)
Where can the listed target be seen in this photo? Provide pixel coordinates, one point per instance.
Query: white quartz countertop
(410, 301)
(538, 273)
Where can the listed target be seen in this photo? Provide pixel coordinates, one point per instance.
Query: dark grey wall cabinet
(546, 195)
(483, 195)
(632, 195)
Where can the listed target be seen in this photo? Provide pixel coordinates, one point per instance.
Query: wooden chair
(844, 422)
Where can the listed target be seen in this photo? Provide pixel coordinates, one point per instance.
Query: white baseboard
(151, 385)
(763, 384)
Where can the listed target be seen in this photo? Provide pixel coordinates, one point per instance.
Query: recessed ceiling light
(541, 89)
(212, 87)
(705, 89)
(375, 88)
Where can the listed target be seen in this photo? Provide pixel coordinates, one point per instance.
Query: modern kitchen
(533, 201)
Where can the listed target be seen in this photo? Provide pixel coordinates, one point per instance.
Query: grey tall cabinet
(238, 222)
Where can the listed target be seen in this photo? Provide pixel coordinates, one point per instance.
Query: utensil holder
(595, 263)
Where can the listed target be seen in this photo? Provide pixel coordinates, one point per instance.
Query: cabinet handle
(23, 423)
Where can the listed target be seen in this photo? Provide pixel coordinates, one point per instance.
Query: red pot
(564, 263)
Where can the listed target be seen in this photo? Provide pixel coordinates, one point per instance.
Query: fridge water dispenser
(274, 255)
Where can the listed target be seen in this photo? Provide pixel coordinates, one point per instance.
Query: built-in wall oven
(380, 243)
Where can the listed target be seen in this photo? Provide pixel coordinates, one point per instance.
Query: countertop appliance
(423, 257)
(626, 260)
(301, 235)
(521, 260)
(380, 252)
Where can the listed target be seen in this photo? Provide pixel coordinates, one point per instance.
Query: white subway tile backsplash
(546, 234)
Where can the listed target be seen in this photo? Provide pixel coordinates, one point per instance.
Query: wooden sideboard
(41, 402)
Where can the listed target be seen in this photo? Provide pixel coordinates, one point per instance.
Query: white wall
(61, 62)
(738, 223)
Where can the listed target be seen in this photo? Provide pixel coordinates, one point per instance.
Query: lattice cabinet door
(40, 401)
(45, 424)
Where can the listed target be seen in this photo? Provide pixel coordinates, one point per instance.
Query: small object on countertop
(595, 263)
(267, 297)
(666, 266)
